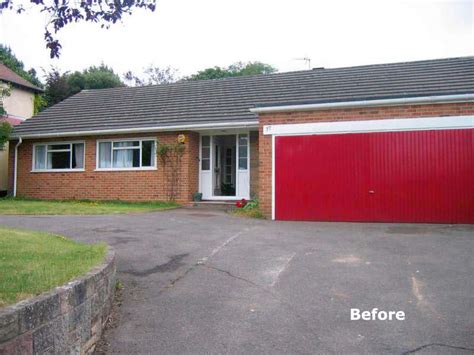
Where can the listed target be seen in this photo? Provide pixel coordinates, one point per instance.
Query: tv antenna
(307, 61)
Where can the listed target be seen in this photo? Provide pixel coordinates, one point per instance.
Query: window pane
(59, 160)
(58, 146)
(105, 152)
(148, 153)
(206, 153)
(205, 164)
(40, 157)
(243, 163)
(136, 158)
(123, 158)
(242, 152)
(78, 156)
(243, 139)
(127, 144)
(206, 141)
(243, 145)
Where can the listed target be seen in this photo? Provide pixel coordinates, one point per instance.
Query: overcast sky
(194, 34)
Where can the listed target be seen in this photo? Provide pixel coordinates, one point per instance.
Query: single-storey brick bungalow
(391, 142)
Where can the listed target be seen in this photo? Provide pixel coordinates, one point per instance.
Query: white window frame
(155, 167)
(34, 170)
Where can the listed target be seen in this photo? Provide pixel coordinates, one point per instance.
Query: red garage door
(417, 176)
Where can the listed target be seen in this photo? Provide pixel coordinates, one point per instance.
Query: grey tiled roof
(229, 100)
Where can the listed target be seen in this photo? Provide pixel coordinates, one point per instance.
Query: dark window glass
(59, 147)
(148, 158)
(59, 160)
(136, 158)
(206, 164)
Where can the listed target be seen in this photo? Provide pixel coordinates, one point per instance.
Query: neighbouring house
(389, 143)
(18, 105)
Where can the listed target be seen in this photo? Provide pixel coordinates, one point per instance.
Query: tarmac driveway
(206, 282)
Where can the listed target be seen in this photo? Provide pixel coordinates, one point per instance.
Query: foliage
(8, 58)
(21, 206)
(94, 77)
(57, 87)
(251, 204)
(170, 155)
(119, 285)
(34, 262)
(152, 76)
(5, 91)
(63, 13)
(250, 210)
(233, 70)
(5, 131)
(60, 86)
(39, 103)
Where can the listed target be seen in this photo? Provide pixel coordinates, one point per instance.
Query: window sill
(58, 171)
(126, 169)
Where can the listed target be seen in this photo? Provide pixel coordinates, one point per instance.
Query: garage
(397, 170)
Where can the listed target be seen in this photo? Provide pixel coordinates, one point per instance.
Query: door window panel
(243, 152)
(206, 153)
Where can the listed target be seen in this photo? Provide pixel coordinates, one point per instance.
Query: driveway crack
(228, 273)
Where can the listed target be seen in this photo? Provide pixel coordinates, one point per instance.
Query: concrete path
(206, 282)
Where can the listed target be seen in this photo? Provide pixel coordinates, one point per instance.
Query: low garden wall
(69, 319)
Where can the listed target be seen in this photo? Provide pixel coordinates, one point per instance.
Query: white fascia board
(194, 127)
(422, 100)
(388, 125)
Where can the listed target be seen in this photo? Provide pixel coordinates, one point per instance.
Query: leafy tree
(60, 86)
(9, 59)
(152, 76)
(39, 103)
(5, 131)
(57, 87)
(233, 70)
(5, 127)
(5, 91)
(63, 13)
(100, 77)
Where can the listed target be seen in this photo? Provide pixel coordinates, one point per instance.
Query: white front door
(205, 168)
(243, 166)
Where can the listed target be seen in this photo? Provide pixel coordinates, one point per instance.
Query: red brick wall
(106, 185)
(192, 162)
(409, 111)
(254, 168)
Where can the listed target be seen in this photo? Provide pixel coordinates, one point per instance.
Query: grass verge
(20, 206)
(34, 262)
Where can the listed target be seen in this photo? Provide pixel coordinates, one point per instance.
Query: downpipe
(15, 171)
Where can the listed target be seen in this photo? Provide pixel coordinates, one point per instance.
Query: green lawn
(51, 207)
(34, 262)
